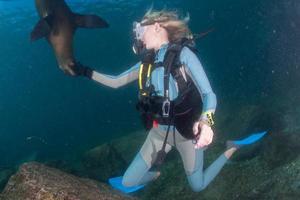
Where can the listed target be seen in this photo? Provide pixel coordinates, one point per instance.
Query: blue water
(252, 57)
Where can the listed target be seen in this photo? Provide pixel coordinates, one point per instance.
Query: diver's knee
(198, 187)
(196, 182)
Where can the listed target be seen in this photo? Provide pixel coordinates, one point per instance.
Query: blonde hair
(176, 28)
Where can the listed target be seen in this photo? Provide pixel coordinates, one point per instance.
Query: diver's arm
(115, 81)
(195, 70)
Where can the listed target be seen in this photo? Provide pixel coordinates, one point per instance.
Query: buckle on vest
(166, 108)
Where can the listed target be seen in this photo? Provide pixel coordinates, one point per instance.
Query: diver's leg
(138, 172)
(193, 164)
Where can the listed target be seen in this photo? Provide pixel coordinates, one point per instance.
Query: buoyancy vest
(181, 112)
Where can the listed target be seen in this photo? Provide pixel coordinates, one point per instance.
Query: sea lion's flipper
(42, 28)
(90, 21)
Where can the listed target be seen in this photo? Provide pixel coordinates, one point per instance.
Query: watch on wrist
(208, 118)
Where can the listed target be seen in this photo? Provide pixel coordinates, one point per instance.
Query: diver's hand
(204, 138)
(81, 70)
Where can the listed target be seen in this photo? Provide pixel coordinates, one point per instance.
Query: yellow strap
(149, 70)
(140, 76)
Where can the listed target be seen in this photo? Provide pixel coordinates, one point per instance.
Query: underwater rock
(112, 159)
(5, 173)
(281, 148)
(103, 162)
(39, 182)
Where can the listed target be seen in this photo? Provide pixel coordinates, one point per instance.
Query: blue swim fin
(116, 183)
(250, 139)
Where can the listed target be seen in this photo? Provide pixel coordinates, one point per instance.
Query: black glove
(81, 70)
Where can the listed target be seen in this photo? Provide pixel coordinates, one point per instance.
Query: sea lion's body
(58, 24)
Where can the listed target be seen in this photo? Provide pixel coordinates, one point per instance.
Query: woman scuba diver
(174, 96)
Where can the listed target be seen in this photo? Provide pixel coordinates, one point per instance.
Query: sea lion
(58, 25)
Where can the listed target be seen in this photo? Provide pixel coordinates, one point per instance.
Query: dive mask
(138, 30)
(138, 33)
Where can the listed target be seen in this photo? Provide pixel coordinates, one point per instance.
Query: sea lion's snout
(76, 69)
(69, 69)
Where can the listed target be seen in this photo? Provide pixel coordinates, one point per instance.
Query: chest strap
(145, 68)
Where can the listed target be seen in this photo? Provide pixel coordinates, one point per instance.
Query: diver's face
(151, 36)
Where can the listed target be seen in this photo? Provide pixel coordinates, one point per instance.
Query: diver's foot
(117, 183)
(233, 145)
(230, 144)
(156, 175)
(231, 148)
